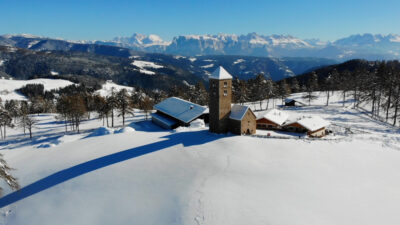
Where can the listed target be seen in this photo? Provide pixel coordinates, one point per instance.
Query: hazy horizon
(104, 20)
(164, 39)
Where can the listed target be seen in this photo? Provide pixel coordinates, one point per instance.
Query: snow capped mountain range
(362, 46)
(141, 40)
(367, 46)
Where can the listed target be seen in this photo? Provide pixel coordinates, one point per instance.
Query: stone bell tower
(220, 98)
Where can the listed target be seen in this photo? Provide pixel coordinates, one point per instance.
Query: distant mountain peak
(141, 40)
(21, 35)
(367, 46)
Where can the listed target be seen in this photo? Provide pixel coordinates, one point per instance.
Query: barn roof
(167, 122)
(287, 100)
(311, 123)
(180, 109)
(238, 112)
(220, 74)
(276, 116)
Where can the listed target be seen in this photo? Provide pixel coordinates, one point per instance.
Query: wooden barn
(314, 126)
(292, 102)
(174, 112)
(272, 119)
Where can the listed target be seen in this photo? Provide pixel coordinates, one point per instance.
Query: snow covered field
(147, 175)
(144, 66)
(109, 87)
(8, 87)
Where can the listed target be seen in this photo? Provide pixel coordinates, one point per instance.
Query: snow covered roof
(220, 74)
(287, 100)
(164, 120)
(180, 109)
(276, 116)
(238, 112)
(311, 123)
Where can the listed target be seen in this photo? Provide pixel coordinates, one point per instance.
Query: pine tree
(77, 110)
(283, 90)
(5, 121)
(312, 86)
(146, 106)
(101, 108)
(29, 123)
(295, 86)
(328, 84)
(6, 176)
(112, 104)
(269, 90)
(201, 94)
(12, 107)
(123, 104)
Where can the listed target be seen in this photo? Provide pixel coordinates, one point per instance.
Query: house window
(225, 93)
(225, 84)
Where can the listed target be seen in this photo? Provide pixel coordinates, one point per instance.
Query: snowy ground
(109, 87)
(145, 65)
(153, 176)
(8, 87)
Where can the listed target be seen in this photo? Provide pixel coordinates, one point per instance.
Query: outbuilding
(242, 120)
(293, 102)
(314, 126)
(174, 112)
(272, 119)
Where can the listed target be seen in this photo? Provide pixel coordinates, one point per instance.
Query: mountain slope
(24, 64)
(244, 67)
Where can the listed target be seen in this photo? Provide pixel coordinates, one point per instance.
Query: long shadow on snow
(40, 137)
(184, 138)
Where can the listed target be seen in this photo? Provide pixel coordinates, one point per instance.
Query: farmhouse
(314, 126)
(174, 112)
(272, 119)
(223, 117)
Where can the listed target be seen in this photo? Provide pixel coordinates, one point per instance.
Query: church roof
(238, 112)
(180, 109)
(220, 74)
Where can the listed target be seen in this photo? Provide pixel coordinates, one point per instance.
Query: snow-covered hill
(189, 176)
(8, 87)
(109, 87)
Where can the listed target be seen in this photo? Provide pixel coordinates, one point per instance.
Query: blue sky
(101, 19)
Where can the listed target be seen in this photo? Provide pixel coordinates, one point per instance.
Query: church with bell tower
(223, 116)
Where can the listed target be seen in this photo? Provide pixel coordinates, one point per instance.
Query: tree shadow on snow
(189, 138)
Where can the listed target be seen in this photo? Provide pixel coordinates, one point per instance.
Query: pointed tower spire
(220, 74)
